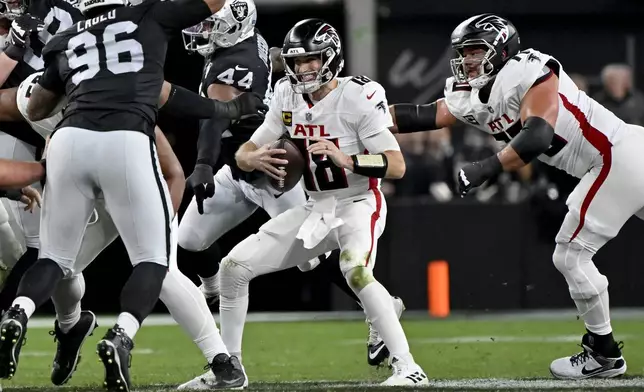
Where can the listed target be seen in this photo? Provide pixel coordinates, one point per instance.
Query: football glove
(202, 183)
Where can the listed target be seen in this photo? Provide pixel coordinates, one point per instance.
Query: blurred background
(498, 241)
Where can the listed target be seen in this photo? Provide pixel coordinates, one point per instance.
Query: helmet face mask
(11, 9)
(232, 24)
(473, 68)
(313, 77)
(318, 47)
(197, 38)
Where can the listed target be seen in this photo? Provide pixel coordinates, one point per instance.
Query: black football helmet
(312, 37)
(11, 9)
(496, 35)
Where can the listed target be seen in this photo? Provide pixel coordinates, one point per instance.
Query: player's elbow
(395, 165)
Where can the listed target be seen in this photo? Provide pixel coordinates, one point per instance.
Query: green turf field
(328, 355)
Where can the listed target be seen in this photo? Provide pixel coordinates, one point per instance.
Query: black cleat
(114, 351)
(69, 347)
(228, 372)
(13, 330)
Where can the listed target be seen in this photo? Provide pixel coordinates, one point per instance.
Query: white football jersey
(355, 110)
(46, 126)
(584, 128)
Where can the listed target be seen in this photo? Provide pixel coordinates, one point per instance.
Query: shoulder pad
(522, 71)
(457, 96)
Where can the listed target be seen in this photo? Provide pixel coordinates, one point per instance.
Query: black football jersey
(247, 67)
(57, 15)
(111, 66)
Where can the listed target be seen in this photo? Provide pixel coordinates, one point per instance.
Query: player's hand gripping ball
(293, 169)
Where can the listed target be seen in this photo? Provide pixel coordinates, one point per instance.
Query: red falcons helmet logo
(326, 33)
(494, 23)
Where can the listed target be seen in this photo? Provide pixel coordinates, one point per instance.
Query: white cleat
(206, 382)
(405, 374)
(588, 364)
(377, 352)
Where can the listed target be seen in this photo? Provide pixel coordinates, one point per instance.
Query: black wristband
(14, 52)
(374, 166)
(491, 166)
(415, 118)
(186, 103)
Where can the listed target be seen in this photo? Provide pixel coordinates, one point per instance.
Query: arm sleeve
(50, 79)
(209, 142)
(374, 111)
(381, 142)
(174, 15)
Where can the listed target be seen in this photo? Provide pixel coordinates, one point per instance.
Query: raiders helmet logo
(494, 23)
(239, 10)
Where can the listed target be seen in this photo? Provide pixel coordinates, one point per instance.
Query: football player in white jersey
(340, 126)
(182, 298)
(237, 60)
(525, 100)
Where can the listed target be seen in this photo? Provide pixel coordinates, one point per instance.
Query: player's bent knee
(234, 278)
(575, 263)
(359, 277)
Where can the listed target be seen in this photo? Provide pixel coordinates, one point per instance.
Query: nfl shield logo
(239, 10)
(308, 116)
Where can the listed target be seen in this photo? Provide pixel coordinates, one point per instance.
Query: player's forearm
(17, 174)
(242, 155)
(8, 107)
(41, 103)
(209, 142)
(6, 67)
(410, 118)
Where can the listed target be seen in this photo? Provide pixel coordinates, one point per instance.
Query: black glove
(245, 105)
(21, 29)
(202, 183)
(475, 174)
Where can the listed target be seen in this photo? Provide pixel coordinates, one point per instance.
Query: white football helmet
(232, 24)
(85, 5)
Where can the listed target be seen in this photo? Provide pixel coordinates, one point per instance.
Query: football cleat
(114, 351)
(209, 381)
(405, 374)
(69, 347)
(377, 352)
(589, 363)
(13, 330)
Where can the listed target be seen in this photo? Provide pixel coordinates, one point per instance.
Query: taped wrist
(370, 165)
(186, 103)
(534, 139)
(491, 166)
(415, 118)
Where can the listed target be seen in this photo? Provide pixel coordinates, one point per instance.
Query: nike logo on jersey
(374, 351)
(371, 95)
(278, 195)
(238, 68)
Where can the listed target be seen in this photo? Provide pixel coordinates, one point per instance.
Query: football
(294, 168)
